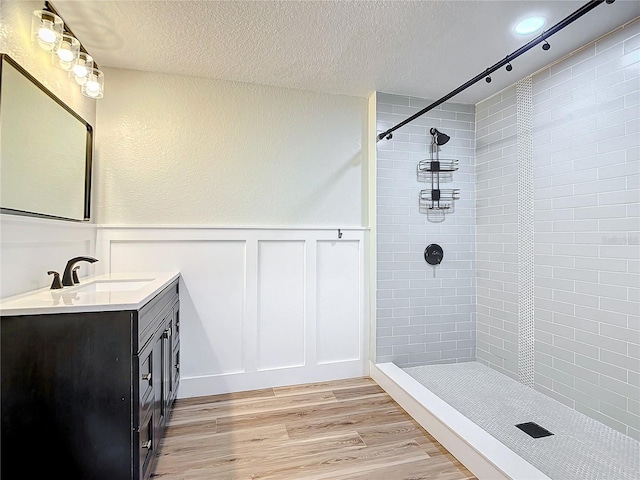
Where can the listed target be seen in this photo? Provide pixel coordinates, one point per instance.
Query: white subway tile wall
(425, 314)
(587, 229)
(497, 232)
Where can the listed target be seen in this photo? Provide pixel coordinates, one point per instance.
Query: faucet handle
(74, 275)
(56, 284)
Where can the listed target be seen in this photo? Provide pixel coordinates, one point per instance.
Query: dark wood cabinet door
(67, 394)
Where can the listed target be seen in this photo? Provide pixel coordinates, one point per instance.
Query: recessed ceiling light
(529, 25)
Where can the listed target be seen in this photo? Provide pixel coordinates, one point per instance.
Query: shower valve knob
(433, 254)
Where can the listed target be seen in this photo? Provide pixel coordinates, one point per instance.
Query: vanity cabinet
(88, 394)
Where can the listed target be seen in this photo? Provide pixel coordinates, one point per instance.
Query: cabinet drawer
(153, 314)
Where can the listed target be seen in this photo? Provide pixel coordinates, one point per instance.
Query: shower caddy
(437, 198)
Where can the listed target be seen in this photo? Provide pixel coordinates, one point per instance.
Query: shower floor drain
(534, 430)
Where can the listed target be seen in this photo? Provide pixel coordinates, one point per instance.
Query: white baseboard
(240, 382)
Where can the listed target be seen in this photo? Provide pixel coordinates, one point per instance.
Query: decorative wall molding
(229, 227)
(260, 306)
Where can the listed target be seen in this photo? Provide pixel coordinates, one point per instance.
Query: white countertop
(109, 292)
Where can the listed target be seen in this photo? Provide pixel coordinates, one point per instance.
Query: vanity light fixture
(81, 67)
(51, 33)
(93, 87)
(46, 29)
(67, 51)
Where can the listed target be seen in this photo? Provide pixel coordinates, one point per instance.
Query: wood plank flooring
(347, 429)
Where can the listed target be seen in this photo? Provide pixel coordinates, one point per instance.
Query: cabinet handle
(146, 376)
(147, 445)
(167, 333)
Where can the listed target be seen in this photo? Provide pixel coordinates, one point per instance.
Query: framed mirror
(45, 150)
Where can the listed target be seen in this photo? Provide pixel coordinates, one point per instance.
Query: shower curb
(485, 456)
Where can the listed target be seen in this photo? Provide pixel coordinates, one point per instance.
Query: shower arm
(539, 39)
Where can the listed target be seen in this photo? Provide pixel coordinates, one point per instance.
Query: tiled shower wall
(586, 167)
(586, 172)
(425, 314)
(497, 232)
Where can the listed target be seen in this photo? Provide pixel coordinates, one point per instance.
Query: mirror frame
(88, 151)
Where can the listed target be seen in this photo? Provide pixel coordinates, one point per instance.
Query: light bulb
(67, 51)
(92, 86)
(80, 71)
(64, 52)
(47, 36)
(92, 93)
(81, 67)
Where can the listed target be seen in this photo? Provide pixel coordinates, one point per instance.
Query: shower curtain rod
(540, 38)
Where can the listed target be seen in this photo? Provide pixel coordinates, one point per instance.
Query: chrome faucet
(67, 277)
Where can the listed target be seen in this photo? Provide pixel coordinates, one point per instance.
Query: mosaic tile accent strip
(525, 232)
(580, 448)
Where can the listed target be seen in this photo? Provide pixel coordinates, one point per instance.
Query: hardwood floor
(347, 429)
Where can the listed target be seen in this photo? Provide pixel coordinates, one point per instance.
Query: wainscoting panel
(216, 273)
(281, 308)
(338, 282)
(260, 307)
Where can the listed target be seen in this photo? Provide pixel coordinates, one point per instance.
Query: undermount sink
(113, 286)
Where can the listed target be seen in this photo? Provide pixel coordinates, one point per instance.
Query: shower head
(439, 138)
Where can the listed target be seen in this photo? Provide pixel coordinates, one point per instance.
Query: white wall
(173, 149)
(29, 247)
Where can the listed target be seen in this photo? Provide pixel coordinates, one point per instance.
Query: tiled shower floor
(580, 449)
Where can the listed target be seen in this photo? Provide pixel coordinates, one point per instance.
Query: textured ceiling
(423, 48)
